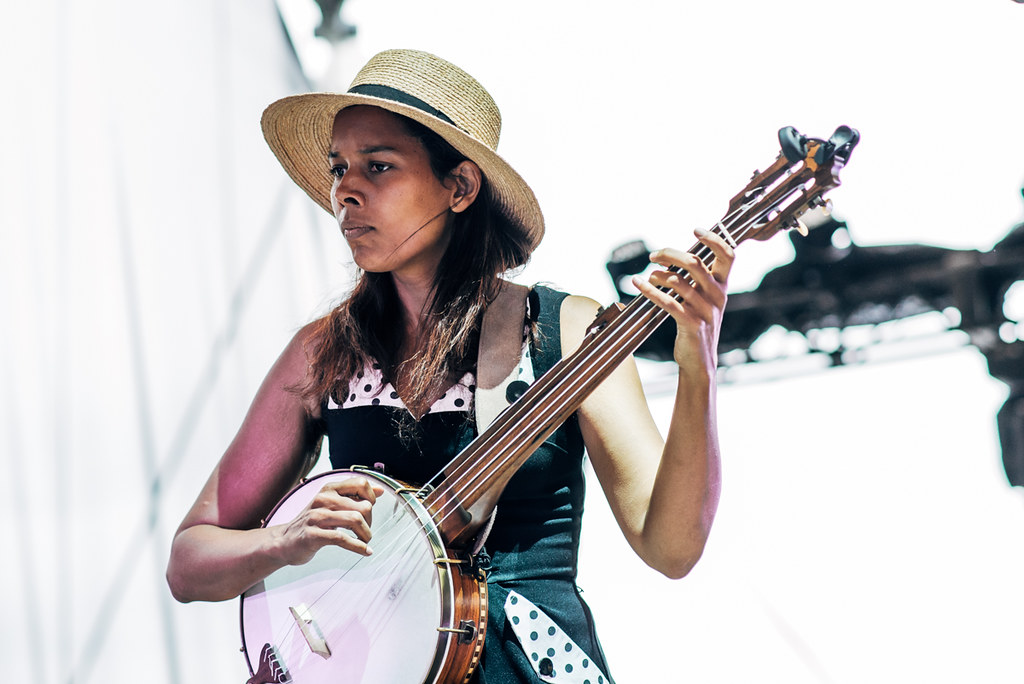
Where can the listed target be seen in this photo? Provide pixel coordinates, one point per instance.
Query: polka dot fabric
(369, 389)
(554, 656)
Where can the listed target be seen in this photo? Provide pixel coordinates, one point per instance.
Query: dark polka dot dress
(555, 656)
(539, 628)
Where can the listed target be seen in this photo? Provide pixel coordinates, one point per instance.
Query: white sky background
(866, 530)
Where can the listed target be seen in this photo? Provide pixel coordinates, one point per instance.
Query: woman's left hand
(699, 304)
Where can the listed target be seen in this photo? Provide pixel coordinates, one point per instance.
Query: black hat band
(395, 95)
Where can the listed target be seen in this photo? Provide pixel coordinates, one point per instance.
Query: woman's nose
(346, 191)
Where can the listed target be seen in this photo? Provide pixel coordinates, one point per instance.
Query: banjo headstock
(795, 184)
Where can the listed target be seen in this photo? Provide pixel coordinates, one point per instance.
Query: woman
(405, 161)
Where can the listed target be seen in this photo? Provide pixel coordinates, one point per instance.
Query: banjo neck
(478, 475)
(773, 200)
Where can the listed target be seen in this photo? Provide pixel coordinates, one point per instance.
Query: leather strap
(501, 350)
(497, 365)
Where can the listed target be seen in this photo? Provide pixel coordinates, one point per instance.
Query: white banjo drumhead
(344, 618)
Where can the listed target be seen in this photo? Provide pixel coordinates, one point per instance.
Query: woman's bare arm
(663, 493)
(219, 550)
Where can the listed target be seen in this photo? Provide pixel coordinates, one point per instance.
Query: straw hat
(418, 85)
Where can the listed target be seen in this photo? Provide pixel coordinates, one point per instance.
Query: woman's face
(393, 211)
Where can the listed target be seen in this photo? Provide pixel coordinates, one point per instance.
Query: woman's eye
(379, 167)
(338, 171)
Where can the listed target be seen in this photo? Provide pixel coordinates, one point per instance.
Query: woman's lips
(353, 232)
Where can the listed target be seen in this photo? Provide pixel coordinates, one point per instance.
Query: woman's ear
(465, 180)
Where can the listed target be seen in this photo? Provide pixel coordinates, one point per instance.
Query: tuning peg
(844, 140)
(794, 145)
(818, 215)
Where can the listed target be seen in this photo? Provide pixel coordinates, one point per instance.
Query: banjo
(416, 610)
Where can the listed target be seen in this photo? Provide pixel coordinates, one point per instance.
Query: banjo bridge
(310, 630)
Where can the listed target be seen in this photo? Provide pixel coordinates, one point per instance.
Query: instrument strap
(500, 353)
(497, 364)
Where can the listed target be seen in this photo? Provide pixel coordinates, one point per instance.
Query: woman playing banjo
(406, 162)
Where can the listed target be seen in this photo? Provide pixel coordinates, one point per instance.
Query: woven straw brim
(298, 129)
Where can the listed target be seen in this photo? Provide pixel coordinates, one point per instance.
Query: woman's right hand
(339, 515)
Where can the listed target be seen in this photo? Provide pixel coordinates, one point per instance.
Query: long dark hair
(363, 328)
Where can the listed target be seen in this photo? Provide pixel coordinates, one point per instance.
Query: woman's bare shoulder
(576, 315)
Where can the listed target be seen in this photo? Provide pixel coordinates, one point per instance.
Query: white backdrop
(154, 260)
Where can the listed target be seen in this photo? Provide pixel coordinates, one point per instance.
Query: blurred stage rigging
(333, 27)
(842, 301)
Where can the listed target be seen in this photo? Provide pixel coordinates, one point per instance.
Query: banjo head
(344, 618)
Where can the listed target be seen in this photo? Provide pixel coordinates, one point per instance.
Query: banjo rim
(462, 591)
